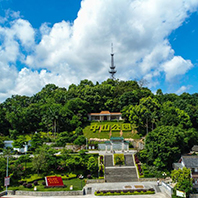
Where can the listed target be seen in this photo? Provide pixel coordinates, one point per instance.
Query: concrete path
(158, 195)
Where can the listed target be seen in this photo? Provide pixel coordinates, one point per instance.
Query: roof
(195, 148)
(106, 113)
(177, 166)
(8, 141)
(116, 138)
(190, 161)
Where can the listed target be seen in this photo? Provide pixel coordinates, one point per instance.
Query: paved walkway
(110, 186)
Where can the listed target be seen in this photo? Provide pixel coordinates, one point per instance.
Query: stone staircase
(126, 173)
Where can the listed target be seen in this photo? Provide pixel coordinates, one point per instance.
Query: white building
(104, 115)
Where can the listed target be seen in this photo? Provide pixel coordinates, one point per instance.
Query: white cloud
(183, 89)
(176, 66)
(69, 52)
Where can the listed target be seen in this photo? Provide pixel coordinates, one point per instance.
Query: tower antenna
(112, 67)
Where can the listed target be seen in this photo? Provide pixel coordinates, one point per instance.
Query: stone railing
(168, 189)
(147, 179)
(91, 181)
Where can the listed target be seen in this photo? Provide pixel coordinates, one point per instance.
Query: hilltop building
(104, 115)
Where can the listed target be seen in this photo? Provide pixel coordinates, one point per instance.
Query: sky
(66, 41)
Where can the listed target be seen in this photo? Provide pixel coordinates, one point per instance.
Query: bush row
(125, 192)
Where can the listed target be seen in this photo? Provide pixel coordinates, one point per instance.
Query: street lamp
(7, 174)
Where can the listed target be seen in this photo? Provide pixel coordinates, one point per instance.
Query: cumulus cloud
(176, 66)
(183, 89)
(68, 52)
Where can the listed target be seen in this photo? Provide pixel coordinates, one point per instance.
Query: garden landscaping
(104, 130)
(125, 192)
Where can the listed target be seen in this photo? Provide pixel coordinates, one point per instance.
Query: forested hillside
(58, 109)
(169, 121)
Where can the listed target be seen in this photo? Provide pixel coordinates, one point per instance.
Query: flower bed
(140, 171)
(125, 192)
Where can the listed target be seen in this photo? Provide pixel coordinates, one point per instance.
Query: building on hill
(104, 115)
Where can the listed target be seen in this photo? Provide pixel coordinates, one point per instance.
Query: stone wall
(10, 192)
(44, 193)
(49, 193)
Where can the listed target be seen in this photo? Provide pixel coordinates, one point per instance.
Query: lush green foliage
(169, 121)
(165, 144)
(183, 179)
(118, 159)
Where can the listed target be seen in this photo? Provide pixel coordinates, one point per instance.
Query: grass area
(115, 134)
(90, 134)
(77, 185)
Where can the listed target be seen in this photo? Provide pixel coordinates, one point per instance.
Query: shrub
(35, 183)
(89, 176)
(21, 182)
(24, 184)
(119, 159)
(29, 186)
(43, 183)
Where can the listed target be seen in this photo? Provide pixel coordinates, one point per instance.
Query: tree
(44, 159)
(20, 142)
(164, 145)
(92, 164)
(183, 179)
(36, 141)
(172, 116)
(80, 140)
(2, 171)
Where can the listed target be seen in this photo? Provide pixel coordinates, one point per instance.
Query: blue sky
(65, 41)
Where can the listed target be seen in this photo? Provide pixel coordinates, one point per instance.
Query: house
(194, 149)
(189, 161)
(104, 115)
(8, 144)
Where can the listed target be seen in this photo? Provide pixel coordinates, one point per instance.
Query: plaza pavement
(160, 193)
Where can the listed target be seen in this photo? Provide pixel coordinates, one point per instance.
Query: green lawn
(77, 185)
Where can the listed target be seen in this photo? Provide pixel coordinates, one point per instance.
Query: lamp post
(86, 143)
(81, 178)
(7, 174)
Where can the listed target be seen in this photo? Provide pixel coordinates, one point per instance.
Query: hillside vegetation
(168, 121)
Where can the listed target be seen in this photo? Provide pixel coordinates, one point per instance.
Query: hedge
(125, 192)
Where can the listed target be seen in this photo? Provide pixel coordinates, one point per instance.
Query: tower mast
(112, 67)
